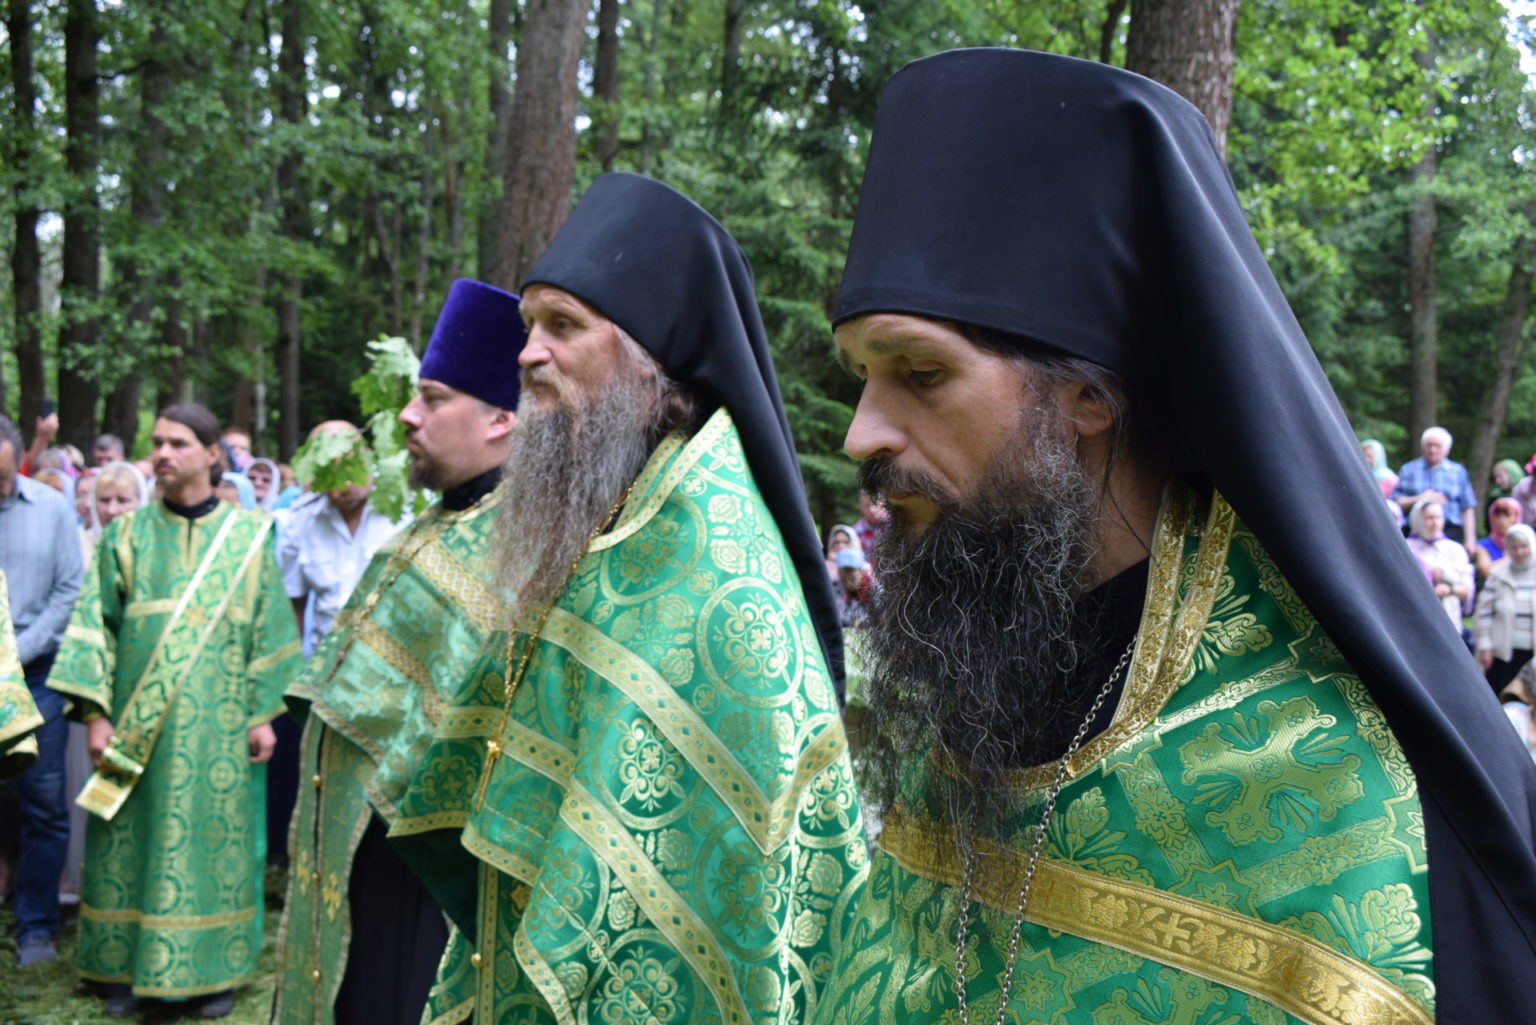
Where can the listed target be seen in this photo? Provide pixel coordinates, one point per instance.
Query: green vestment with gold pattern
(669, 831)
(19, 717)
(1243, 844)
(171, 893)
(422, 626)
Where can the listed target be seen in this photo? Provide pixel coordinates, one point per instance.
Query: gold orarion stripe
(1295, 973)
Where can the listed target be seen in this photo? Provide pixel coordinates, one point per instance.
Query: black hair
(196, 417)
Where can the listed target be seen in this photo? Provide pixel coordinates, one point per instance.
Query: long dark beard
(973, 640)
(568, 467)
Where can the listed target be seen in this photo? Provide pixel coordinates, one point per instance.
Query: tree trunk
(146, 203)
(26, 257)
(174, 341)
(1188, 45)
(424, 235)
(541, 142)
(1423, 320)
(648, 87)
(1510, 342)
(290, 186)
(730, 58)
(605, 84)
(500, 25)
(122, 413)
(79, 332)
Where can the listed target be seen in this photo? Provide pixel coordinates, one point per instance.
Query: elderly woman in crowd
(1376, 459)
(1505, 609)
(1502, 514)
(1444, 561)
(1506, 474)
(840, 538)
(266, 480)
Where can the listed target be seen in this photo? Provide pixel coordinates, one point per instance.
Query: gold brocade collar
(1171, 626)
(674, 458)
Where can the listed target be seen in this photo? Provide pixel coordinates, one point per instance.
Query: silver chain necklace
(968, 850)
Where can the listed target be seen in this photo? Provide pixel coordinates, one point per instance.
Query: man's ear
(501, 424)
(1087, 408)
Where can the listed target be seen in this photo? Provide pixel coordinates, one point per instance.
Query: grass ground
(52, 994)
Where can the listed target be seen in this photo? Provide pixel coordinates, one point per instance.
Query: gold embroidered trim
(149, 607)
(138, 917)
(768, 822)
(662, 906)
(467, 722)
(1164, 643)
(410, 826)
(655, 496)
(397, 656)
(463, 588)
(162, 992)
(95, 638)
(459, 1012)
(23, 724)
(1297, 974)
(497, 858)
(266, 662)
(543, 977)
(533, 749)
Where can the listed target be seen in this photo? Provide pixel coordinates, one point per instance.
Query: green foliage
(1331, 109)
(332, 460)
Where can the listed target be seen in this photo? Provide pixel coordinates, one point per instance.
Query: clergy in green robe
(361, 936)
(415, 633)
(19, 717)
(1243, 842)
(177, 656)
(1166, 725)
(664, 818)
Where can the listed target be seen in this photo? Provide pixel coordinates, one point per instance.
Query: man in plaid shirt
(1446, 481)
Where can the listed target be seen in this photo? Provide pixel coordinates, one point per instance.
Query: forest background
(226, 199)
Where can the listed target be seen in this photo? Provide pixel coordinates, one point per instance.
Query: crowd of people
(1476, 556)
(1147, 738)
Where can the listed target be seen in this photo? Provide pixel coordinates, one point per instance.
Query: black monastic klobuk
(656, 264)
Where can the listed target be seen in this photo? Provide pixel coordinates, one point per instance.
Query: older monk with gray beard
(664, 816)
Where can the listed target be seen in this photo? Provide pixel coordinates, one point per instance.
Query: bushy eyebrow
(886, 347)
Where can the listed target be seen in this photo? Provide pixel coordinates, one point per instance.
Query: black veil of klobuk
(655, 263)
(1088, 209)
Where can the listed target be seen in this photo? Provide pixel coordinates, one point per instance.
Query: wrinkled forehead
(539, 299)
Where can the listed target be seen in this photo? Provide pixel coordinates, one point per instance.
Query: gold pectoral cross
(492, 754)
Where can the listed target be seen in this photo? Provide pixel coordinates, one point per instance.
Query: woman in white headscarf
(1506, 610)
(1444, 561)
(267, 480)
(840, 537)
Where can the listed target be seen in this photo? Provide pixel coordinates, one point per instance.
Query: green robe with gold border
(1243, 843)
(19, 717)
(171, 893)
(423, 625)
(670, 830)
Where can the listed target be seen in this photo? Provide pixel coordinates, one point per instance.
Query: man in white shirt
(328, 540)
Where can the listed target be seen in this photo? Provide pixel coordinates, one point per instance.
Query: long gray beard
(972, 642)
(568, 467)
